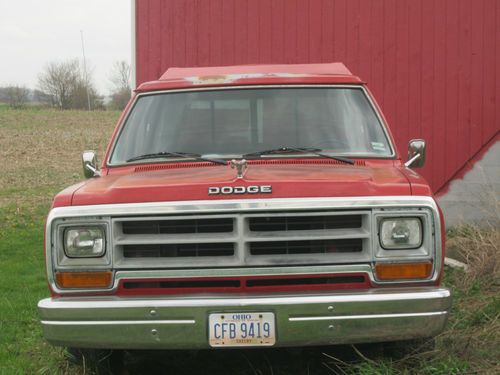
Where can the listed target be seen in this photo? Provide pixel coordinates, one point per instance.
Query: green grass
(22, 285)
(40, 152)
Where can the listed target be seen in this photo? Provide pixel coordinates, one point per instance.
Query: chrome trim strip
(114, 322)
(218, 88)
(236, 205)
(374, 316)
(243, 205)
(371, 296)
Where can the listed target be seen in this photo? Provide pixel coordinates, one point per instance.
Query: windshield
(231, 123)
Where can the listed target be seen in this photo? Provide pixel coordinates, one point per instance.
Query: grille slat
(240, 239)
(306, 247)
(223, 225)
(178, 250)
(306, 235)
(144, 239)
(298, 223)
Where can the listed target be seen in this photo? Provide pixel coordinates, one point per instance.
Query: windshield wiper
(304, 150)
(167, 154)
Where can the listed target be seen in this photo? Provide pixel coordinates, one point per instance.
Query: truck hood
(191, 181)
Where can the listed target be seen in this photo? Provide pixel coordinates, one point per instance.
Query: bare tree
(120, 75)
(68, 86)
(17, 96)
(42, 98)
(83, 92)
(120, 79)
(59, 80)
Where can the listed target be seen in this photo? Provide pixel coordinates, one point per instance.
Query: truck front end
(241, 211)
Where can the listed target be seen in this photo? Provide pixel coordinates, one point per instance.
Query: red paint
(162, 166)
(177, 78)
(434, 65)
(243, 285)
(419, 186)
(65, 197)
(217, 81)
(332, 69)
(292, 179)
(470, 163)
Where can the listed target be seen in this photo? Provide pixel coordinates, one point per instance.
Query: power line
(85, 70)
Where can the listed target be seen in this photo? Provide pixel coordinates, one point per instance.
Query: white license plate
(241, 329)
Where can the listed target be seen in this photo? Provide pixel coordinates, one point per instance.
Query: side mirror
(89, 161)
(416, 153)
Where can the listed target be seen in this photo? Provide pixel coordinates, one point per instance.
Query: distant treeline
(65, 85)
(18, 96)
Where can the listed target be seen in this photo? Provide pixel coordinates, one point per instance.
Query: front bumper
(342, 317)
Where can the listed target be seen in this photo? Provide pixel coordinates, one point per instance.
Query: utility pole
(85, 70)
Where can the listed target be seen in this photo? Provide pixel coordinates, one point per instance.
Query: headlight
(401, 233)
(84, 242)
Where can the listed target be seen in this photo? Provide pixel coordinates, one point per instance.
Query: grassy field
(40, 154)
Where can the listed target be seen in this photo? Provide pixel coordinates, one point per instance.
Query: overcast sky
(35, 32)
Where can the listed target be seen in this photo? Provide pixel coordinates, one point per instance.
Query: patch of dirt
(41, 149)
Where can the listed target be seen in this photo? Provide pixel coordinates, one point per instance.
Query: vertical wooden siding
(433, 65)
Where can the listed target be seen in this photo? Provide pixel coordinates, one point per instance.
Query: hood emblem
(240, 166)
(228, 190)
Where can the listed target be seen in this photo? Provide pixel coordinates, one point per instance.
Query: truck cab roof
(175, 78)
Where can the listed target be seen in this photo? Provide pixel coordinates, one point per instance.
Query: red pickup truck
(246, 206)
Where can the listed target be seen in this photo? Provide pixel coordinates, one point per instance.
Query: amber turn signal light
(403, 271)
(82, 280)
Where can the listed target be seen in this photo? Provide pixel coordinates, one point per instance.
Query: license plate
(241, 329)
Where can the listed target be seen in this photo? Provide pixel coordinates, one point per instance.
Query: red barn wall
(433, 65)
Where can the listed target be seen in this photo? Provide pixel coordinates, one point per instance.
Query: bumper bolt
(152, 312)
(330, 327)
(154, 332)
(330, 308)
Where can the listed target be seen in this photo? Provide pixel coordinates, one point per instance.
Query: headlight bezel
(426, 248)
(64, 262)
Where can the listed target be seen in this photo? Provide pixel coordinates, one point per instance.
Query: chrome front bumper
(342, 317)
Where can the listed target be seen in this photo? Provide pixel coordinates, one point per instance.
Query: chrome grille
(239, 240)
